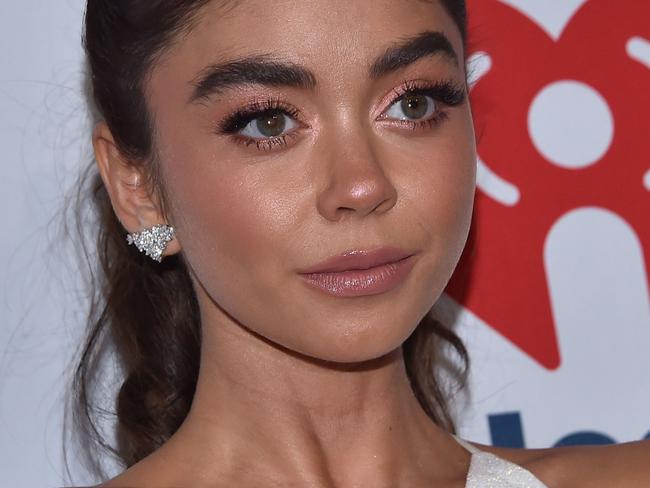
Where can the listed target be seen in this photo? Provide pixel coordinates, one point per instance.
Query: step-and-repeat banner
(551, 294)
(553, 285)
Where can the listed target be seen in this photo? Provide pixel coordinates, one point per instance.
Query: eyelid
(444, 92)
(233, 124)
(239, 118)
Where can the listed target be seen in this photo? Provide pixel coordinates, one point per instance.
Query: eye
(412, 106)
(421, 104)
(268, 124)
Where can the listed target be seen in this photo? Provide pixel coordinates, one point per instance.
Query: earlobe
(134, 204)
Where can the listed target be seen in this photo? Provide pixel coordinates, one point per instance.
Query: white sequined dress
(487, 470)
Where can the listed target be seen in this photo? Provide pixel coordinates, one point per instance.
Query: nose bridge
(356, 182)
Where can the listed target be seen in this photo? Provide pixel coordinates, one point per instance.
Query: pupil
(271, 125)
(414, 106)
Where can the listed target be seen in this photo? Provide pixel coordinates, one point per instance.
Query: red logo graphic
(501, 276)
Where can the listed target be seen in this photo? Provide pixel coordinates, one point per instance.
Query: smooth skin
(296, 387)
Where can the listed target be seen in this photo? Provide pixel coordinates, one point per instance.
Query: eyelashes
(240, 119)
(269, 124)
(274, 112)
(412, 94)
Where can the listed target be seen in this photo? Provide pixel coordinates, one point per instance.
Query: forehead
(328, 36)
(300, 14)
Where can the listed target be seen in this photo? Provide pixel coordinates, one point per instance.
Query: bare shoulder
(143, 474)
(158, 470)
(121, 482)
(621, 465)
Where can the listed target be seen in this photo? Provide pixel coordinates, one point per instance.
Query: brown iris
(271, 124)
(415, 106)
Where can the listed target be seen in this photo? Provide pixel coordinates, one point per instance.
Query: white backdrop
(596, 275)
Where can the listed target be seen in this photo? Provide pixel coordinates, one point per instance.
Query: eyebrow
(412, 49)
(261, 70)
(267, 70)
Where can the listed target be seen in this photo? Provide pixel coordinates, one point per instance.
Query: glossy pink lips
(361, 273)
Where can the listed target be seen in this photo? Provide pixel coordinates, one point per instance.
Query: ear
(136, 206)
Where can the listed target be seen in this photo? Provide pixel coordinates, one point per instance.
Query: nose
(356, 184)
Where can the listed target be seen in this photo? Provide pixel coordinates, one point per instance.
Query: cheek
(232, 224)
(450, 200)
(440, 196)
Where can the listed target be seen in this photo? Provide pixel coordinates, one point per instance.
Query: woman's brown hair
(146, 312)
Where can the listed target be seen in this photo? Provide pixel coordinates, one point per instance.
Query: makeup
(360, 273)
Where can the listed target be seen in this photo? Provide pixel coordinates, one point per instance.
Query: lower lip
(362, 282)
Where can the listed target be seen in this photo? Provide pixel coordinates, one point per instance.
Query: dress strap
(467, 445)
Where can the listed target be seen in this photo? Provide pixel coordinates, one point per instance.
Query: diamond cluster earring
(152, 241)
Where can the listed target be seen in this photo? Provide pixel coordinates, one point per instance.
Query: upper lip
(359, 259)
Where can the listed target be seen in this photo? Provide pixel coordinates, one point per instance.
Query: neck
(306, 420)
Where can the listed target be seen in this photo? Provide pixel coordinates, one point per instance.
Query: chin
(358, 343)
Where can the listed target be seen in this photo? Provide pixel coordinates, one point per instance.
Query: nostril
(354, 181)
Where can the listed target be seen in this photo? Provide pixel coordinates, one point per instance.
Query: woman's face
(291, 131)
